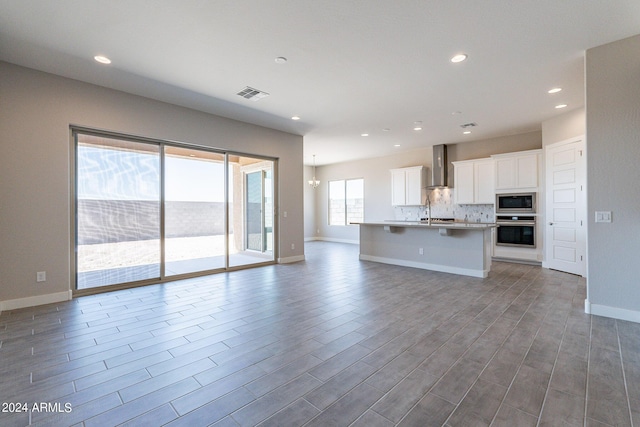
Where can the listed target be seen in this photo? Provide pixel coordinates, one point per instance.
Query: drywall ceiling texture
(613, 152)
(36, 110)
(353, 66)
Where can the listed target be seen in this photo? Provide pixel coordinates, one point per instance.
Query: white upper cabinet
(484, 184)
(408, 186)
(398, 187)
(473, 180)
(517, 171)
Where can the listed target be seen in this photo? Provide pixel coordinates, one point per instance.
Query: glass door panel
(117, 211)
(268, 208)
(194, 211)
(250, 211)
(254, 206)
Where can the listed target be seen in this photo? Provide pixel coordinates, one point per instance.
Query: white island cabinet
(457, 248)
(408, 186)
(473, 181)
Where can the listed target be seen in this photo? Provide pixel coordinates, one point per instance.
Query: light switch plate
(603, 216)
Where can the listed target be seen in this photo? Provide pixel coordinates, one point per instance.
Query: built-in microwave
(508, 203)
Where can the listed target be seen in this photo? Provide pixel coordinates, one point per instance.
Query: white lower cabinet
(473, 182)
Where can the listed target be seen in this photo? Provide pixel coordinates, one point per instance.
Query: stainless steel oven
(516, 203)
(516, 230)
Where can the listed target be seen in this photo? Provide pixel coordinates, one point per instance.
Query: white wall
(613, 174)
(36, 110)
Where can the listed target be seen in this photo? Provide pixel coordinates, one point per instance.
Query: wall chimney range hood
(440, 166)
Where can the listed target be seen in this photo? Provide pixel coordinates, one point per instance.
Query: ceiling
(353, 67)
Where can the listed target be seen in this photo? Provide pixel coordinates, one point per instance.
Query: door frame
(582, 237)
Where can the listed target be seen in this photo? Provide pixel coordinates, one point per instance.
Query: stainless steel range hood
(440, 166)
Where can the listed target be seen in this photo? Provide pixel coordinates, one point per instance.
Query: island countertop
(450, 225)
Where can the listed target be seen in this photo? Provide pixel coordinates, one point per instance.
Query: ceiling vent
(469, 125)
(252, 94)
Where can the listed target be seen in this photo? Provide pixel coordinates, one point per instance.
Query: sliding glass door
(117, 211)
(194, 210)
(150, 211)
(251, 213)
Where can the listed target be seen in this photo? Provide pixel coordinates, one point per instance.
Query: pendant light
(314, 183)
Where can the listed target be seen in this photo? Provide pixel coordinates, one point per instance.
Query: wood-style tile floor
(332, 341)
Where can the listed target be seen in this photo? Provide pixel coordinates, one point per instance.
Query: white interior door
(565, 228)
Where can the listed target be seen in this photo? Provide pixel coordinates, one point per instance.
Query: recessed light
(459, 58)
(364, 134)
(417, 128)
(456, 113)
(281, 60)
(102, 59)
(554, 90)
(396, 145)
(386, 130)
(417, 125)
(466, 132)
(295, 118)
(561, 106)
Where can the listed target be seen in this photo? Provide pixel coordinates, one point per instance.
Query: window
(346, 201)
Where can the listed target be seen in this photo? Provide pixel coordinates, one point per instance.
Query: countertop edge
(418, 224)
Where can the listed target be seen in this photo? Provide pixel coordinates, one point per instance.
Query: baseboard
(14, 304)
(517, 261)
(331, 239)
(290, 259)
(612, 312)
(425, 266)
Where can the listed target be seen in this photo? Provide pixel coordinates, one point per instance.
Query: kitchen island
(456, 247)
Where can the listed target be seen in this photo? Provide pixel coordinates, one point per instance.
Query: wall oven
(517, 230)
(515, 203)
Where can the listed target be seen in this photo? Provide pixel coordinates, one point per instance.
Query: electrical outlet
(293, 246)
(285, 214)
(41, 276)
(421, 251)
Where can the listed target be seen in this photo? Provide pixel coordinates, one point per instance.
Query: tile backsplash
(442, 206)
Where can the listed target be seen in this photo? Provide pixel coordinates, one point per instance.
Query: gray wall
(377, 180)
(309, 205)
(613, 153)
(377, 190)
(566, 126)
(36, 110)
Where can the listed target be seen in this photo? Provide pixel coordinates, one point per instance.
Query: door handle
(550, 223)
